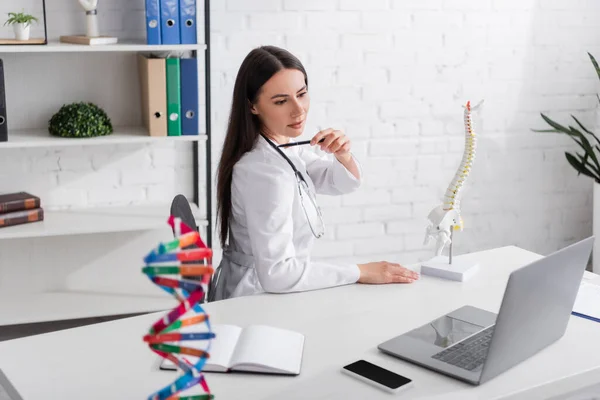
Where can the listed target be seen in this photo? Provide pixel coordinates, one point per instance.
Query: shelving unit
(57, 306)
(125, 45)
(121, 135)
(97, 220)
(62, 305)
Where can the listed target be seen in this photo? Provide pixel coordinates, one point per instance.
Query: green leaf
(579, 167)
(585, 144)
(586, 130)
(20, 18)
(581, 125)
(545, 130)
(584, 161)
(559, 129)
(587, 148)
(596, 67)
(553, 124)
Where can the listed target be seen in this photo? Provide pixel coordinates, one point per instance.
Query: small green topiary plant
(80, 120)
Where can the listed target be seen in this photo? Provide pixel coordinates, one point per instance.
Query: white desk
(109, 360)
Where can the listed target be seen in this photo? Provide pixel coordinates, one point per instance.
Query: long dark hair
(244, 127)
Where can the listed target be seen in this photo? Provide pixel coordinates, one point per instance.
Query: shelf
(41, 138)
(131, 45)
(55, 306)
(96, 220)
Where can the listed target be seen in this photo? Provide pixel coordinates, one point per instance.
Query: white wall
(393, 74)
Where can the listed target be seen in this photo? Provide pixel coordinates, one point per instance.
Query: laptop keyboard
(470, 353)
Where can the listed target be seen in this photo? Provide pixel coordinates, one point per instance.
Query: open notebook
(587, 303)
(256, 348)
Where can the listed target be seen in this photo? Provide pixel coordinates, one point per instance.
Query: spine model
(454, 191)
(447, 216)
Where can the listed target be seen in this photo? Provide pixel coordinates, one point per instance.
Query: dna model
(446, 217)
(164, 336)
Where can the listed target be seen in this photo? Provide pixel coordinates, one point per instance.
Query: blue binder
(169, 21)
(187, 14)
(189, 96)
(153, 22)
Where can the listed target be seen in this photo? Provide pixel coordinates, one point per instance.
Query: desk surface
(109, 360)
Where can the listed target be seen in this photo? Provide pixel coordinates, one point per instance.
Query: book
(256, 348)
(153, 93)
(187, 22)
(18, 201)
(83, 39)
(173, 77)
(153, 35)
(189, 96)
(169, 20)
(3, 122)
(21, 217)
(587, 303)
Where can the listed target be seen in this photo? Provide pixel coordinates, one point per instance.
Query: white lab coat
(270, 240)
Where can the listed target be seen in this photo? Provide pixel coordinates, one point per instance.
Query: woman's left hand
(335, 141)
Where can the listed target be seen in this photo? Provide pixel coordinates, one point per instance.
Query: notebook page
(221, 347)
(270, 348)
(588, 300)
(591, 277)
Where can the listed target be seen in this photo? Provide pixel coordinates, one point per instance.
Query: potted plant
(586, 163)
(21, 23)
(80, 120)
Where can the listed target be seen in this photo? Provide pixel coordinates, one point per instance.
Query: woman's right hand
(385, 272)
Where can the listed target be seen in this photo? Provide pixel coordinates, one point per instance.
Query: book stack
(169, 95)
(19, 208)
(171, 22)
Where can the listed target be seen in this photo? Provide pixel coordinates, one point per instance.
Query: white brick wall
(392, 73)
(395, 73)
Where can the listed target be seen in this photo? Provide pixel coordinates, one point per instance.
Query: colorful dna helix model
(193, 268)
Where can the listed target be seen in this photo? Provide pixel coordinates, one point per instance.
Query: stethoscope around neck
(308, 199)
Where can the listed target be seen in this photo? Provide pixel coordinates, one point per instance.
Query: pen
(298, 143)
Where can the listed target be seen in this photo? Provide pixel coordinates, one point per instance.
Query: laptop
(475, 345)
(7, 390)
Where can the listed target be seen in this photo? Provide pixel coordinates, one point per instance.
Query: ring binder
(3, 121)
(187, 12)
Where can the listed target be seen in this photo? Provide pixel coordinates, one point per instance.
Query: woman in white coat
(266, 202)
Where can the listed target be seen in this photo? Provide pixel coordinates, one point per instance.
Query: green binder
(173, 97)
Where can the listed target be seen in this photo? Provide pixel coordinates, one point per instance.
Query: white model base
(457, 271)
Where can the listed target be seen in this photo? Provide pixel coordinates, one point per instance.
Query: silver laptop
(475, 345)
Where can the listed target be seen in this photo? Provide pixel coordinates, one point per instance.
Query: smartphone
(377, 376)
